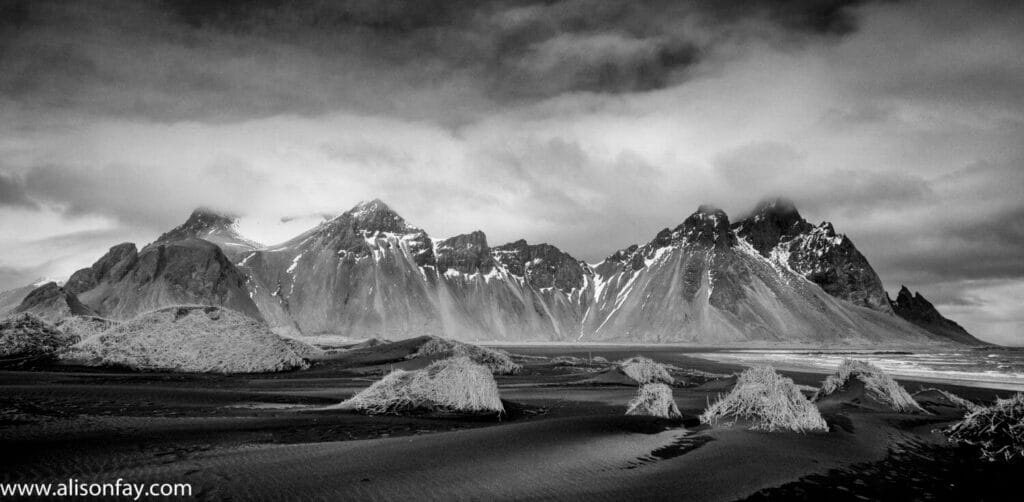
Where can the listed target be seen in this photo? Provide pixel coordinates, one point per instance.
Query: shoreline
(277, 435)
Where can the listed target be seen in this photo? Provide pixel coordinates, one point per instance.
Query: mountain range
(771, 278)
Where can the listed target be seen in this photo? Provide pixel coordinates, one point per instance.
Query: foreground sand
(268, 438)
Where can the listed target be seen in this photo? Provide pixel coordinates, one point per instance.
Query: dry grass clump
(303, 349)
(567, 361)
(83, 327)
(878, 385)
(578, 361)
(645, 371)
(998, 429)
(498, 361)
(195, 339)
(25, 335)
(772, 401)
(654, 399)
(954, 399)
(452, 385)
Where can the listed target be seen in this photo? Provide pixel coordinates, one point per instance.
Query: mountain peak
(466, 253)
(773, 221)
(778, 205)
(206, 223)
(376, 215)
(918, 310)
(709, 209)
(708, 225)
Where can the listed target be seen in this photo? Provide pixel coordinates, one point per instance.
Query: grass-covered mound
(498, 361)
(190, 339)
(645, 371)
(457, 385)
(770, 401)
(25, 336)
(655, 400)
(860, 382)
(366, 344)
(303, 349)
(998, 429)
(82, 327)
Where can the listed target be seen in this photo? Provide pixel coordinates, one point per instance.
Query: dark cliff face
(542, 265)
(771, 223)
(111, 267)
(708, 226)
(916, 309)
(777, 231)
(834, 263)
(467, 253)
(52, 303)
(124, 282)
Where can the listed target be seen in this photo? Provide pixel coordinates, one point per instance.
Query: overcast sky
(590, 125)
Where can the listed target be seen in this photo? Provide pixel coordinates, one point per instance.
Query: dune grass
(998, 429)
(83, 327)
(455, 384)
(655, 400)
(302, 349)
(771, 401)
(26, 335)
(567, 361)
(646, 371)
(498, 361)
(877, 383)
(189, 338)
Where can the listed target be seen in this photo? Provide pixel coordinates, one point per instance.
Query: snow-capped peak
(206, 223)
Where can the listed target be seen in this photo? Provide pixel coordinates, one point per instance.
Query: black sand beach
(267, 437)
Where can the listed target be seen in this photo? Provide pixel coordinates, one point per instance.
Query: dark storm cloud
(140, 195)
(218, 60)
(12, 193)
(968, 236)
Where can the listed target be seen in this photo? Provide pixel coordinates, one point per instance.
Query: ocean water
(995, 368)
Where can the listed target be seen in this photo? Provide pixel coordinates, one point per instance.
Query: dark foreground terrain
(269, 437)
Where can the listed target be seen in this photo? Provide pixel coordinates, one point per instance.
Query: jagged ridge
(769, 278)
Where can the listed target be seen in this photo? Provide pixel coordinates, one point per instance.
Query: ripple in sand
(677, 448)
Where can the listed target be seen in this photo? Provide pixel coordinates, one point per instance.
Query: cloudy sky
(589, 124)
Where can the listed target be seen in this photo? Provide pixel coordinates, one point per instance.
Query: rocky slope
(702, 283)
(52, 303)
(214, 227)
(770, 278)
(126, 282)
(919, 311)
(369, 273)
(830, 260)
(11, 298)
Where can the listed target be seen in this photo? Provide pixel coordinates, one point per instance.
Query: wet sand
(267, 437)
